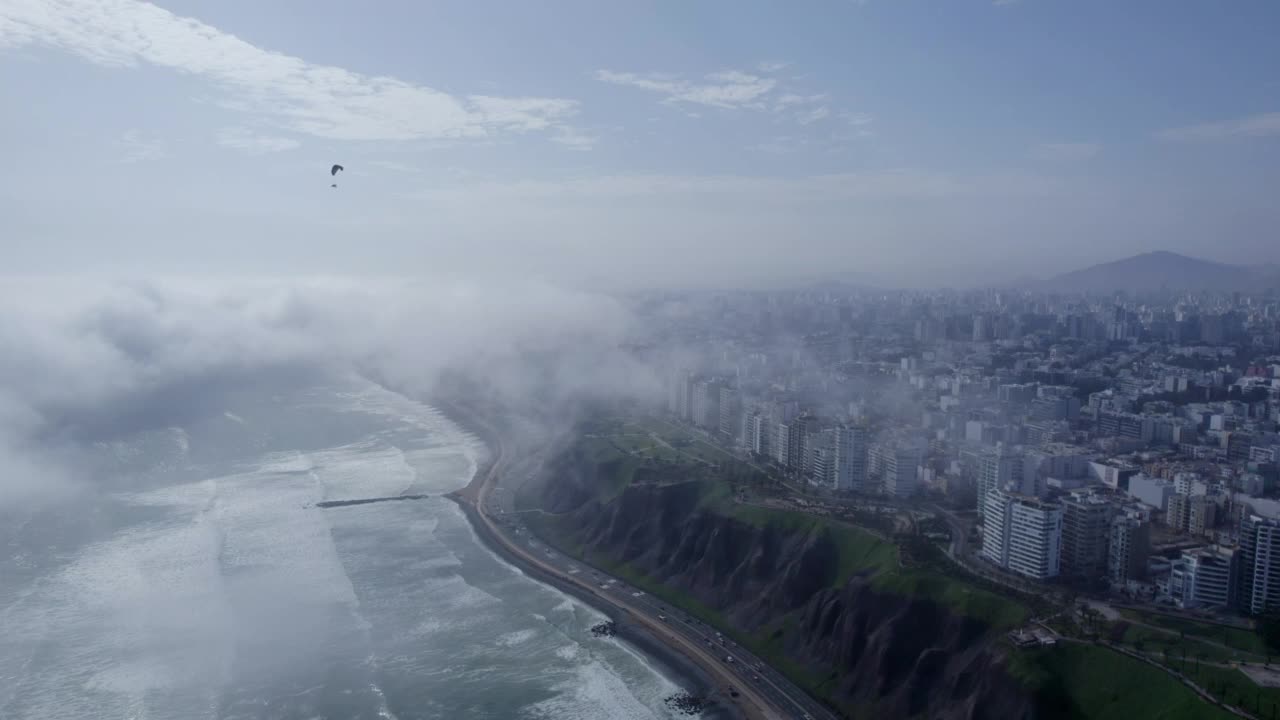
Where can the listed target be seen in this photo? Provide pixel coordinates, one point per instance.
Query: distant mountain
(1165, 270)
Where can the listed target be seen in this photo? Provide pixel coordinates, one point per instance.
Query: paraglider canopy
(334, 170)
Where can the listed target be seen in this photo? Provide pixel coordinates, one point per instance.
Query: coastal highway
(757, 689)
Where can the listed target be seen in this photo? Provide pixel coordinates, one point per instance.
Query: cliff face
(886, 654)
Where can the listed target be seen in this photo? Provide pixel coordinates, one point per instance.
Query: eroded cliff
(804, 594)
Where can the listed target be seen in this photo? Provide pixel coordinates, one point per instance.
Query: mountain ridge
(1164, 270)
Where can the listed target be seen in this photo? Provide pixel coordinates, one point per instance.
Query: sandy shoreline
(687, 673)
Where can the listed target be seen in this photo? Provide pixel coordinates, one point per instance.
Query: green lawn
(600, 449)
(1156, 641)
(1085, 681)
(1235, 687)
(684, 440)
(645, 446)
(1238, 638)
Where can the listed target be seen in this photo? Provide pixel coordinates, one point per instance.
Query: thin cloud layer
(1260, 125)
(730, 89)
(254, 143)
(324, 101)
(736, 90)
(135, 146)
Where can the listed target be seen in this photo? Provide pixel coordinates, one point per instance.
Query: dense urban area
(1124, 443)
(1109, 462)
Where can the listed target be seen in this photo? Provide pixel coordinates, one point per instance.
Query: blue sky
(924, 142)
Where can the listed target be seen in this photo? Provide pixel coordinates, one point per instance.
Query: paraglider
(334, 171)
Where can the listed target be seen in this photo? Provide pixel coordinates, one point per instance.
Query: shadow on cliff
(867, 650)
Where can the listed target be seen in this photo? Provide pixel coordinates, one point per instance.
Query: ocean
(195, 577)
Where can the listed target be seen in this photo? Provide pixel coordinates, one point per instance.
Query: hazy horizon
(917, 144)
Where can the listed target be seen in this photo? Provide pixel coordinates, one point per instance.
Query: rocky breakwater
(808, 596)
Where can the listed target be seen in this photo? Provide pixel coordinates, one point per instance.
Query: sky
(610, 145)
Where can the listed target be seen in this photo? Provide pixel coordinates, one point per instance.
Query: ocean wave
(596, 691)
(516, 637)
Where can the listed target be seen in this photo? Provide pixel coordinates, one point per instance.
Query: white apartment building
(998, 469)
(1023, 533)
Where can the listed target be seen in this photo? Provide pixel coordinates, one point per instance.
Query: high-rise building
(820, 467)
(1023, 533)
(1128, 548)
(680, 394)
(994, 505)
(1035, 538)
(797, 442)
(1086, 522)
(730, 421)
(1259, 577)
(1176, 516)
(757, 434)
(902, 471)
(1204, 578)
(1201, 515)
(852, 441)
(706, 404)
(780, 446)
(998, 469)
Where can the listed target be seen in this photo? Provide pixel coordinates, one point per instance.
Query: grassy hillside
(1085, 681)
(1072, 680)
(626, 451)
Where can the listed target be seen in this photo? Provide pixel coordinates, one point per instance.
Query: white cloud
(252, 143)
(106, 358)
(522, 114)
(324, 101)
(791, 99)
(135, 147)
(772, 67)
(1259, 125)
(1065, 151)
(856, 119)
(395, 166)
(728, 89)
(574, 139)
(814, 115)
(733, 89)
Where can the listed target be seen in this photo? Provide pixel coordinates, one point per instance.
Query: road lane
(761, 698)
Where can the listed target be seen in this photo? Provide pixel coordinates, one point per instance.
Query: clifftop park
(862, 602)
